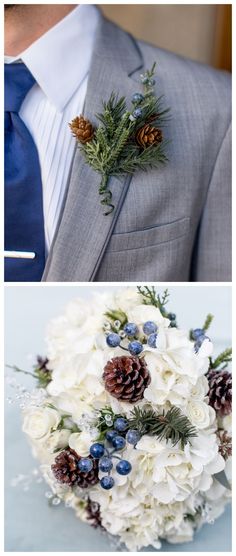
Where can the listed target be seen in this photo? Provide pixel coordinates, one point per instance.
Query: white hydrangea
(167, 483)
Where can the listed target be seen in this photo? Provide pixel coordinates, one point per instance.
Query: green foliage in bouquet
(222, 360)
(170, 425)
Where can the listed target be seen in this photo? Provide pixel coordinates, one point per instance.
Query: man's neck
(25, 23)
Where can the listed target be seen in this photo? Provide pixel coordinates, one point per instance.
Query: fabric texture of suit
(170, 223)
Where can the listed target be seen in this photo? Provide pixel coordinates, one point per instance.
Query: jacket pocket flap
(149, 236)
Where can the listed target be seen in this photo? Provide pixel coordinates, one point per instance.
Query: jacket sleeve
(212, 253)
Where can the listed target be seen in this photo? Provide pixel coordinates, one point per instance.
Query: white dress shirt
(59, 62)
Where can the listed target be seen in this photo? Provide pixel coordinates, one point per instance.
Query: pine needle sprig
(172, 425)
(151, 297)
(113, 148)
(222, 361)
(208, 321)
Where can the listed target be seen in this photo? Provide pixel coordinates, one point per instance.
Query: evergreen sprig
(151, 297)
(222, 360)
(43, 378)
(113, 150)
(208, 321)
(171, 425)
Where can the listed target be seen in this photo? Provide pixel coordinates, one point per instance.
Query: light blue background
(31, 524)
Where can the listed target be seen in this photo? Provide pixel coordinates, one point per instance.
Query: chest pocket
(148, 237)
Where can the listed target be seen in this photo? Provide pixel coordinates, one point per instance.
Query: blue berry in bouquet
(152, 340)
(149, 327)
(131, 329)
(133, 436)
(85, 465)
(105, 464)
(110, 435)
(119, 442)
(97, 450)
(197, 333)
(200, 341)
(135, 347)
(113, 340)
(121, 424)
(107, 482)
(123, 467)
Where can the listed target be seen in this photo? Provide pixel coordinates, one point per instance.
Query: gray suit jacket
(171, 223)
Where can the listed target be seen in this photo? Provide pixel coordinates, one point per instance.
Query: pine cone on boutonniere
(126, 378)
(118, 145)
(67, 472)
(148, 135)
(82, 129)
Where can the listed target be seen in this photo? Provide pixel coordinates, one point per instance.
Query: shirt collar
(60, 59)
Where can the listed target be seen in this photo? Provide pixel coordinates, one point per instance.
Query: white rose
(81, 442)
(39, 422)
(199, 414)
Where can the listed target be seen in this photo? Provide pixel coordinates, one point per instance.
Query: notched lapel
(84, 230)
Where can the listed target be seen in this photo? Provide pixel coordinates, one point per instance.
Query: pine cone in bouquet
(126, 378)
(225, 446)
(220, 391)
(148, 135)
(82, 129)
(93, 514)
(67, 472)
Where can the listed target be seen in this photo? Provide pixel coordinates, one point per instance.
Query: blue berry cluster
(199, 336)
(132, 333)
(116, 442)
(137, 99)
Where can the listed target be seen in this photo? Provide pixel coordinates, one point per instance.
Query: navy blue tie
(24, 224)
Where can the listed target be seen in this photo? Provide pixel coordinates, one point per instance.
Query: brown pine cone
(220, 391)
(93, 514)
(126, 378)
(225, 446)
(67, 472)
(148, 135)
(82, 129)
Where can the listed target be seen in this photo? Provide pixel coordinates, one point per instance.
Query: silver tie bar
(20, 254)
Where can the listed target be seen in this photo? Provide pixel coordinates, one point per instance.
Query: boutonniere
(126, 140)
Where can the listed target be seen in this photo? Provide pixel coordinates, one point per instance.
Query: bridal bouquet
(131, 418)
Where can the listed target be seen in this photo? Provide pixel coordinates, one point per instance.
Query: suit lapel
(83, 231)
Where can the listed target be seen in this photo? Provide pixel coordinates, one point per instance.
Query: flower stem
(106, 193)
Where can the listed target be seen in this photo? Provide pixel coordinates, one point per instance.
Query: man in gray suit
(169, 224)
